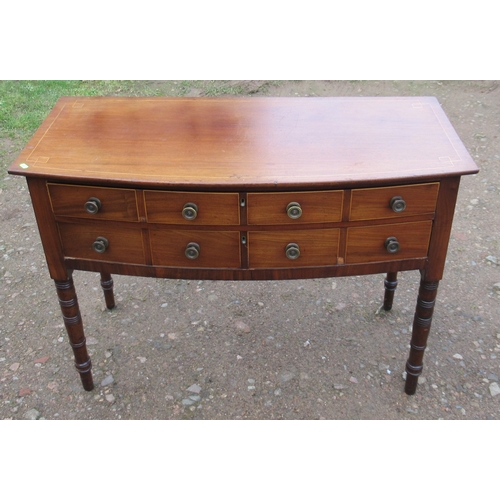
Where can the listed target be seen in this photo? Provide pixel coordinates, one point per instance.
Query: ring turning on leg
(390, 284)
(107, 287)
(74, 326)
(421, 328)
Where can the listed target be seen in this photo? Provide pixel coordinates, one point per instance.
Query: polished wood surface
(125, 244)
(110, 180)
(107, 286)
(316, 206)
(213, 208)
(116, 204)
(370, 204)
(247, 143)
(390, 285)
(367, 244)
(420, 332)
(218, 249)
(68, 302)
(318, 247)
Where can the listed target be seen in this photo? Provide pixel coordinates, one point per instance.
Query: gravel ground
(293, 350)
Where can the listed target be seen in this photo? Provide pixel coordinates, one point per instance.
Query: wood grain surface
(213, 208)
(245, 143)
(218, 249)
(317, 206)
(369, 204)
(318, 247)
(116, 204)
(125, 244)
(366, 244)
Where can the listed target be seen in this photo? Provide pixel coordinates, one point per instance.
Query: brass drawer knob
(397, 204)
(392, 244)
(100, 244)
(190, 211)
(192, 250)
(93, 205)
(294, 210)
(292, 251)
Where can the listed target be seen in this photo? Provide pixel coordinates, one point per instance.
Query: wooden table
(245, 189)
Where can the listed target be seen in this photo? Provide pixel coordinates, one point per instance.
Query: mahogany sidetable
(245, 189)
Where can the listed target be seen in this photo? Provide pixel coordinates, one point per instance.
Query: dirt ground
(312, 349)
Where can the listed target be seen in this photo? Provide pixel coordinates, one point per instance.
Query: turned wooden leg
(390, 284)
(74, 326)
(421, 327)
(107, 286)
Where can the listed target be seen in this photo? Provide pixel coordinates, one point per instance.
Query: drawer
(208, 249)
(369, 204)
(192, 208)
(368, 244)
(316, 247)
(317, 206)
(124, 244)
(93, 202)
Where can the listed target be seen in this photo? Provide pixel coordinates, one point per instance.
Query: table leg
(107, 286)
(390, 284)
(74, 326)
(421, 327)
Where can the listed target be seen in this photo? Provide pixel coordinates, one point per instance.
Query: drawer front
(177, 208)
(271, 208)
(93, 202)
(124, 244)
(368, 244)
(208, 249)
(317, 247)
(369, 204)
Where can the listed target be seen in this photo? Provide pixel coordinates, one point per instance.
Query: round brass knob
(292, 251)
(100, 244)
(192, 250)
(190, 211)
(294, 210)
(392, 244)
(397, 204)
(93, 205)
